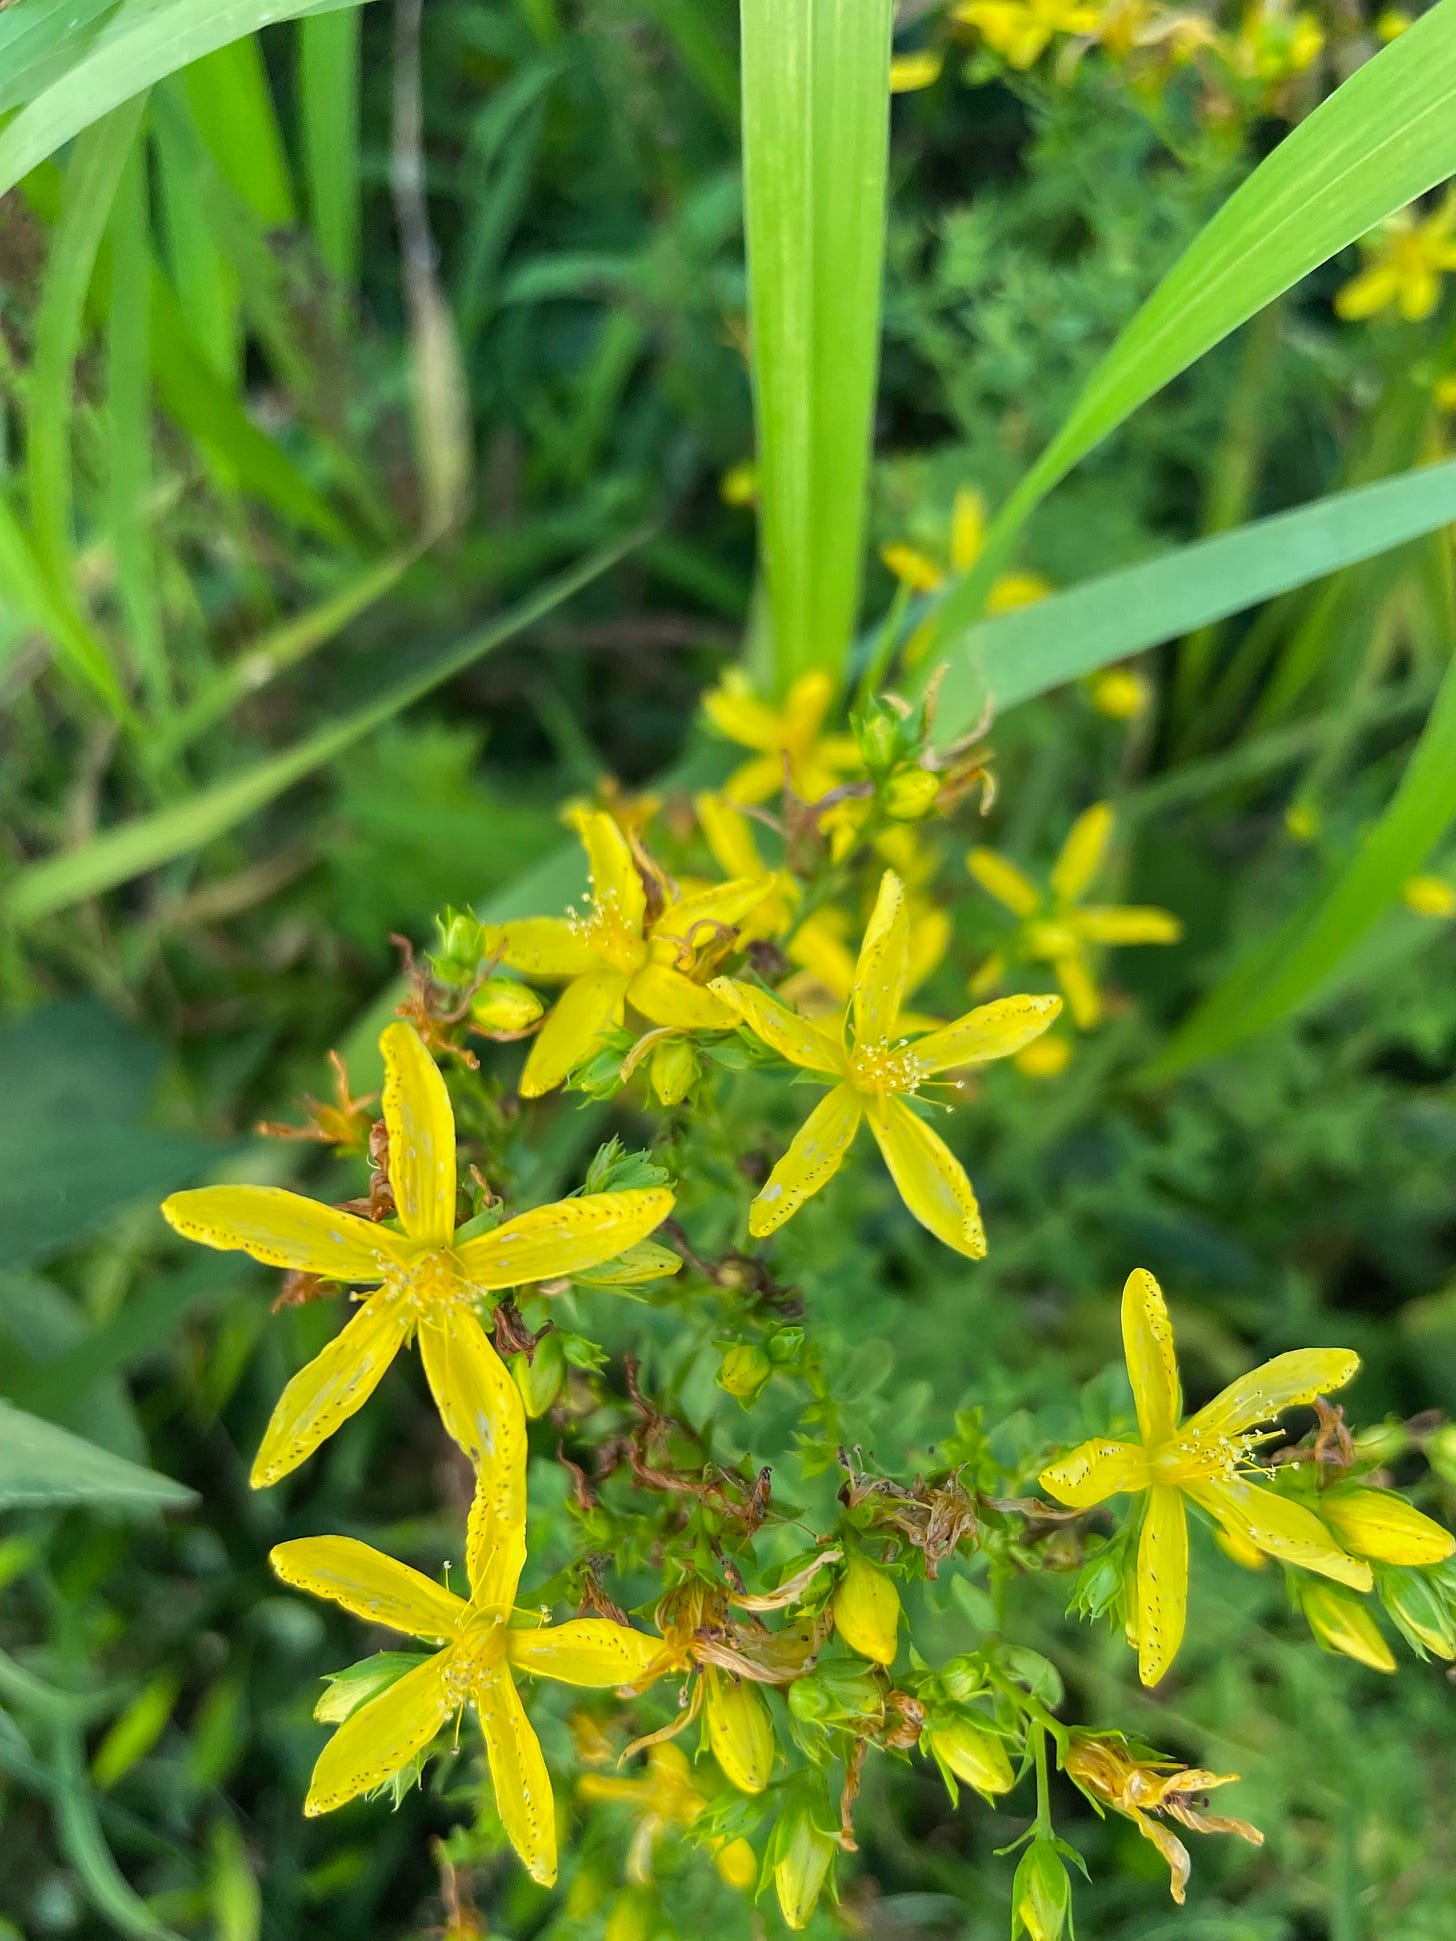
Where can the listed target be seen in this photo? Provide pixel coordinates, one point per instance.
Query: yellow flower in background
(613, 955)
(966, 540)
(910, 72)
(1138, 1784)
(1406, 258)
(665, 1796)
(480, 1653)
(1274, 44)
(739, 484)
(1058, 929)
(1445, 392)
(874, 1074)
(1120, 693)
(1390, 24)
(1045, 1057)
(1021, 30)
(1430, 896)
(430, 1280)
(1342, 1624)
(1302, 822)
(785, 739)
(1205, 1460)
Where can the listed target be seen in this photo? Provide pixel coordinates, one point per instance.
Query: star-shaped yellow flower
(615, 954)
(1021, 30)
(430, 1282)
(661, 1797)
(1205, 1460)
(788, 737)
(480, 1652)
(874, 1073)
(1406, 260)
(967, 538)
(1058, 928)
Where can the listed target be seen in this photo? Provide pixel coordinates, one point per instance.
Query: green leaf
(1014, 656)
(117, 855)
(40, 40)
(233, 108)
(1380, 140)
(328, 99)
(816, 106)
(137, 44)
(41, 1464)
(1290, 969)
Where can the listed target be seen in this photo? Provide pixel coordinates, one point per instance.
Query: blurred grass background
(366, 393)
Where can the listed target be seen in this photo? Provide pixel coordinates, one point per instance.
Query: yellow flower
(1274, 45)
(1302, 822)
(874, 1076)
(1406, 259)
(1378, 1524)
(662, 1797)
(788, 739)
(1059, 929)
(1342, 1624)
(922, 574)
(739, 484)
(1430, 896)
(1120, 693)
(480, 1650)
(1020, 30)
(614, 955)
(1205, 1459)
(1445, 392)
(1046, 1057)
(430, 1282)
(909, 72)
(1138, 1784)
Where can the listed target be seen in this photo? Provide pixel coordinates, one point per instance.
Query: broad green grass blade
(816, 103)
(207, 281)
(41, 1464)
(233, 108)
(1286, 972)
(118, 855)
(90, 185)
(328, 105)
(39, 40)
(1382, 139)
(137, 44)
(1015, 656)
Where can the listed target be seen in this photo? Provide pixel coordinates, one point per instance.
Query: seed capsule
(673, 1071)
(539, 1375)
(867, 1610)
(1041, 1893)
(744, 1371)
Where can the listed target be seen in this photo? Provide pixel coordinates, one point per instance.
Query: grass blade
(1015, 656)
(1383, 138)
(816, 100)
(118, 855)
(26, 590)
(233, 108)
(328, 99)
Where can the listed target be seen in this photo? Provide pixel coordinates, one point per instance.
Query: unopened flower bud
(1119, 693)
(1382, 1442)
(805, 1856)
(880, 735)
(460, 946)
(737, 1864)
(673, 1070)
(744, 1371)
(1440, 1451)
(540, 1374)
(501, 1004)
(1379, 1524)
(1041, 1894)
(911, 794)
(740, 1730)
(970, 1752)
(867, 1610)
(1341, 1623)
(1417, 1602)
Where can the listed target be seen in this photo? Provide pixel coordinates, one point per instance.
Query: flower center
(608, 934)
(480, 1646)
(431, 1281)
(882, 1067)
(1047, 940)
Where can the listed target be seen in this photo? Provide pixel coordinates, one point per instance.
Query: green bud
(673, 1070)
(1419, 1604)
(1382, 1442)
(880, 734)
(911, 794)
(540, 1374)
(784, 1345)
(834, 1692)
(805, 1857)
(1041, 1894)
(501, 1004)
(744, 1371)
(460, 946)
(1441, 1452)
(970, 1752)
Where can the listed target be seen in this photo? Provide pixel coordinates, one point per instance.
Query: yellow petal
(495, 1534)
(729, 835)
(585, 1651)
(668, 998)
(1095, 1470)
(736, 711)
(1420, 292)
(813, 1158)
(990, 974)
(1001, 878)
(930, 936)
(563, 1237)
(1368, 292)
(806, 704)
(580, 1014)
(1279, 1527)
(285, 1230)
(695, 920)
(909, 72)
(1377, 1523)
(967, 529)
(1082, 853)
(912, 568)
(374, 1587)
(616, 886)
(884, 960)
(421, 1130)
(480, 1406)
(1162, 1583)
(548, 947)
(757, 780)
(332, 1387)
(1084, 1000)
(382, 1737)
(1130, 924)
(782, 1030)
(1147, 1342)
(740, 1730)
(818, 947)
(518, 1773)
(1013, 590)
(928, 1177)
(994, 1030)
(1288, 1381)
